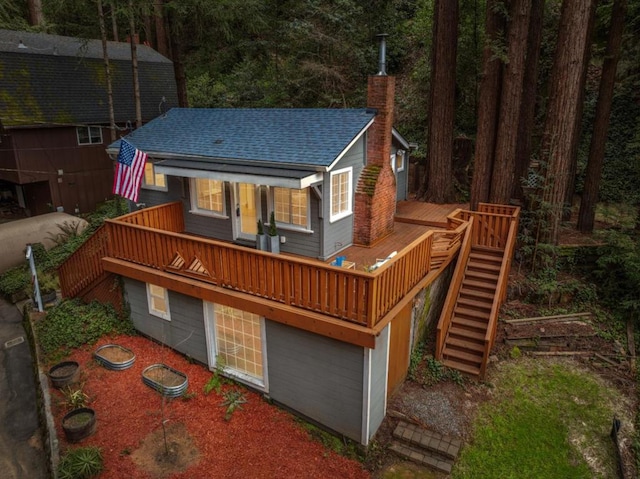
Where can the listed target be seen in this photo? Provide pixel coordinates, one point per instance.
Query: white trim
(395, 134)
(349, 210)
(88, 129)
(193, 198)
(154, 312)
(209, 333)
(348, 147)
(386, 369)
(294, 183)
(290, 226)
(366, 396)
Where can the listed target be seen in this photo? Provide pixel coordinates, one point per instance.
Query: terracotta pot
(79, 424)
(64, 373)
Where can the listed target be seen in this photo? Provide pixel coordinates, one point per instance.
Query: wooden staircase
(467, 325)
(465, 342)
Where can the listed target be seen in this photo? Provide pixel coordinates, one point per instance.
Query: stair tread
(493, 256)
(472, 314)
(462, 367)
(475, 303)
(450, 353)
(476, 294)
(473, 273)
(422, 457)
(462, 343)
(465, 332)
(470, 323)
(472, 283)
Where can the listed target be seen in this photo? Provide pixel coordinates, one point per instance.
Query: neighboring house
(329, 342)
(54, 117)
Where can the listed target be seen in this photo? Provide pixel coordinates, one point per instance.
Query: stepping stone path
(425, 447)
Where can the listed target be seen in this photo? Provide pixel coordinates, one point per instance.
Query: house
(329, 341)
(54, 118)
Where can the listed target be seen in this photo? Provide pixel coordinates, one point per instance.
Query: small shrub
(233, 400)
(81, 463)
(216, 380)
(74, 398)
(15, 280)
(515, 353)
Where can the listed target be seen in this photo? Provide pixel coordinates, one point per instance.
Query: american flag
(129, 171)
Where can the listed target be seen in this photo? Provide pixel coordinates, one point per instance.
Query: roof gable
(302, 137)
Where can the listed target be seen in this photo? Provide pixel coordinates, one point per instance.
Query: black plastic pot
(79, 424)
(64, 373)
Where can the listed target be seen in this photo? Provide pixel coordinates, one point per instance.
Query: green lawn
(546, 420)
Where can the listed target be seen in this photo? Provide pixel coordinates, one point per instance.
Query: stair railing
(454, 290)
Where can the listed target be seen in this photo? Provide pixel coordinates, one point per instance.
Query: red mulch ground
(260, 440)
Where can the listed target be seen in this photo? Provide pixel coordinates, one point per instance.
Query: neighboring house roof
(302, 138)
(55, 80)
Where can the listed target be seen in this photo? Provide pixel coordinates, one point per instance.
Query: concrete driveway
(21, 452)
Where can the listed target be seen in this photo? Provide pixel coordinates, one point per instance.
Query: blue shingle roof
(304, 137)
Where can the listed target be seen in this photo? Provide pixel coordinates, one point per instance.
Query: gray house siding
(148, 197)
(305, 244)
(218, 228)
(184, 332)
(378, 358)
(339, 234)
(319, 377)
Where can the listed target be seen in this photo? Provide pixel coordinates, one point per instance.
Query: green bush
(81, 463)
(15, 280)
(72, 323)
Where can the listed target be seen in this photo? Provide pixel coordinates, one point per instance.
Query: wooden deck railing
(491, 229)
(453, 291)
(153, 238)
(84, 267)
(501, 290)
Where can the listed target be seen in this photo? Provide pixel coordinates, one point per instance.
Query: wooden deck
(413, 218)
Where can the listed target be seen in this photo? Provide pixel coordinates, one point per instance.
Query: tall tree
(487, 106)
(133, 38)
(502, 178)
(107, 69)
(587, 213)
(560, 124)
(442, 103)
(526, 123)
(161, 33)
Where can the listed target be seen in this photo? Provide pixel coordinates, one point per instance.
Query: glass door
(246, 211)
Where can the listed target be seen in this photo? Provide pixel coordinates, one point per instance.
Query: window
(153, 180)
(158, 300)
(89, 135)
(239, 341)
(340, 194)
(397, 161)
(207, 196)
(291, 206)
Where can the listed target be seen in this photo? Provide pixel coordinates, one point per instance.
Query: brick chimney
(375, 196)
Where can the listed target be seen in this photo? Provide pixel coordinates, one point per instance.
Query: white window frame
(149, 186)
(291, 226)
(193, 194)
(88, 130)
(212, 350)
(155, 312)
(349, 210)
(394, 159)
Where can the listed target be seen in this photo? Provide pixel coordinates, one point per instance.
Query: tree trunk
(442, 100)
(526, 123)
(504, 166)
(571, 186)
(107, 69)
(178, 65)
(587, 213)
(161, 32)
(114, 21)
(36, 18)
(564, 97)
(134, 65)
(487, 109)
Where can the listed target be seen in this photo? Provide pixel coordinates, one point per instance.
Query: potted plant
(274, 239)
(261, 238)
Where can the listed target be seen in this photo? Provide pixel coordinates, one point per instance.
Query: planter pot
(166, 380)
(274, 244)
(114, 356)
(64, 373)
(79, 424)
(48, 297)
(261, 242)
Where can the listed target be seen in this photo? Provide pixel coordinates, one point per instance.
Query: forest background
(531, 102)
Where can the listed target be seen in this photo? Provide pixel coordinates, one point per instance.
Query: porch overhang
(259, 175)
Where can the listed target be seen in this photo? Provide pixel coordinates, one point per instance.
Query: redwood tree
(587, 213)
(564, 96)
(502, 178)
(442, 103)
(487, 108)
